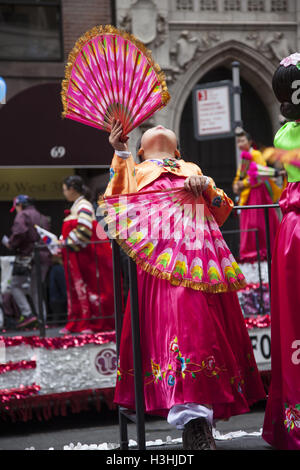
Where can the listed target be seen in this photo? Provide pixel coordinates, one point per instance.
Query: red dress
(282, 418)
(255, 219)
(88, 271)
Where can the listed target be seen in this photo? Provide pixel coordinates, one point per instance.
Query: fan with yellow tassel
(172, 235)
(111, 75)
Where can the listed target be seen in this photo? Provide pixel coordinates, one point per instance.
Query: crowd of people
(76, 276)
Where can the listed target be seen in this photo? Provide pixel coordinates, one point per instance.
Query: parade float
(43, 377)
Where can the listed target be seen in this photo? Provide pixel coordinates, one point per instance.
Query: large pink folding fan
(110, 74)
(173, 236)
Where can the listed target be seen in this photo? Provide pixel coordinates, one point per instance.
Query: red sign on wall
(213, 110)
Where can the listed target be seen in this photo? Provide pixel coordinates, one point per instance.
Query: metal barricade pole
(267, 223)
(137, 360)
(262, 309)
(118, 325)
(41, 319)
(70, 305)
(98, 277)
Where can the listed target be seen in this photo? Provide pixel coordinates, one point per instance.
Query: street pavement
(94, 427)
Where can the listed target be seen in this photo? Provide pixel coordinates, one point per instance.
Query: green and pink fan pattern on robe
(173, 236)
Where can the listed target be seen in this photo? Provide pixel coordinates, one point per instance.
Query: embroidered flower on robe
(111, 174)
(156, 371)
(217, 201)
(292, 415)
(171, 380)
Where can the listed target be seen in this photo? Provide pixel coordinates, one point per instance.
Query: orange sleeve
(219, 204)
(122, 176)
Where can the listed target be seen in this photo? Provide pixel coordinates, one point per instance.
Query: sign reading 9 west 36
(213, 110)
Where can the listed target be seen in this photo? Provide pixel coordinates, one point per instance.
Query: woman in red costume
(282, 420)
(252, 190)
(88, 266)
(197, 359)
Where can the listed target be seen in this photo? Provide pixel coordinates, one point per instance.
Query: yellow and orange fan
(289, 157)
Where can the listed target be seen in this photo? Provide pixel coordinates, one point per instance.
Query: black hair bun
(290, 111)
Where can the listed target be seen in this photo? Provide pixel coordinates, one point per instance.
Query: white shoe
(64, 331)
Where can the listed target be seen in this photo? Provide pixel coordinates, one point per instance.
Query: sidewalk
(102, 430)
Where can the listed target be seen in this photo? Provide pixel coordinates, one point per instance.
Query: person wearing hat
(22, 240)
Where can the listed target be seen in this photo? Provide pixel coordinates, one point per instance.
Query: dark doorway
(217, 157)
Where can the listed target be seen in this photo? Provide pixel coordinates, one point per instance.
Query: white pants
(180, 415)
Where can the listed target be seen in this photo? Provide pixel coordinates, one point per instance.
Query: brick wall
(79, 16)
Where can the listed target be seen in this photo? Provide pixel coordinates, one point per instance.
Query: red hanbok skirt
(89, 278)
(282, 418)
(195, 347)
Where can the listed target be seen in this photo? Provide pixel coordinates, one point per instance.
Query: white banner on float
(261, 344)
(61, 370)
(104, 364)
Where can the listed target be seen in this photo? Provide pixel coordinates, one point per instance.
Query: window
(31, 30)
(232, 5)
(208, 5)
(184, 5)
(279, 5)
(256, 5)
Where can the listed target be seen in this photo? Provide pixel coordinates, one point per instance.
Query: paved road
(99, 427)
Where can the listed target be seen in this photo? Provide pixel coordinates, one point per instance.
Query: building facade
(195, 42)
(190, 38)
(36, 37)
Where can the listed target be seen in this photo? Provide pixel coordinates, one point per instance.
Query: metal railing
(41, 317)
(43, 307)
(265, 208)
(256, 232)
